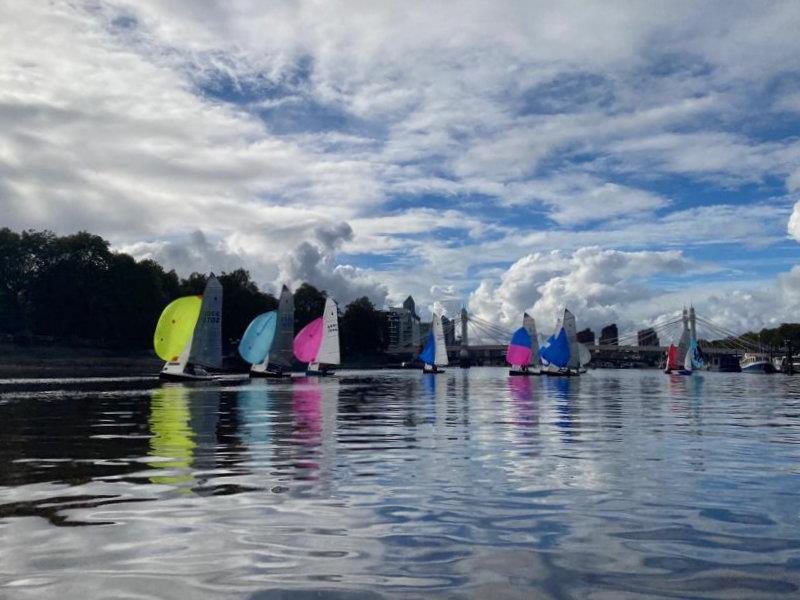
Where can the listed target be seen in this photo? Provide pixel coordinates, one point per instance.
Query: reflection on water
(173, 440)
(617, 484)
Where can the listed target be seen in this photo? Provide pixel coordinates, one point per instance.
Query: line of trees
(75, 289)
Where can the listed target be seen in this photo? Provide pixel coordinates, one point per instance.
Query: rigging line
(729, 337)
(485, 333)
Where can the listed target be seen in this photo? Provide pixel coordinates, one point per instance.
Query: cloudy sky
(619, 158)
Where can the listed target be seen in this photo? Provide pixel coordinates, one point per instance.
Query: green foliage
(309, 303)
(75, 287)
(242, 302)
(362, 329)
(777, 337)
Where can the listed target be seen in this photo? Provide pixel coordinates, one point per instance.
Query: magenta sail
(308, 341)
(518, 355)
(519, 350)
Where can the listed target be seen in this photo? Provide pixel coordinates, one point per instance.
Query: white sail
(329, 348)
(281, 352)
(206, 345)
(687, 361)
(530, 326)
(584, 355)
(568, 322)
(438, 338)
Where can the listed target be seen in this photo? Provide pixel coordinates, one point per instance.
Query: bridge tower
(685, 318)
(463, 354)
(692, 323)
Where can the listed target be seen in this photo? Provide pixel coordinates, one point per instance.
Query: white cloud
(794, 222)
(593, 283)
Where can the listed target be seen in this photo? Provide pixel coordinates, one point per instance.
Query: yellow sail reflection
(173, 437)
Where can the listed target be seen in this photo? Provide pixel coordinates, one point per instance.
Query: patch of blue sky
(742, 261)
(368, 260)
(234, 87)
(565, 93)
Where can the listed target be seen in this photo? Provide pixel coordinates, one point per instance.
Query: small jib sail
(434, 354)
(188, 335)
(267, 342)
(318, 342)
(518, 354)
(556, 350)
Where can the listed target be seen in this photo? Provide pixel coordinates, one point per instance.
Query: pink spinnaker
(308, 341)
(518, 355)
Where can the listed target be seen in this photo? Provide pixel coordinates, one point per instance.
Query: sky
(618, 158)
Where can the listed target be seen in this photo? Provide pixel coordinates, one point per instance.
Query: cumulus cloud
(596, 284)
(316, 264)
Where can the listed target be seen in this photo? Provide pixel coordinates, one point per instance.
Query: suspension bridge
(479, 341)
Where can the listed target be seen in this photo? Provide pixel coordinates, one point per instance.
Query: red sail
(672, 357)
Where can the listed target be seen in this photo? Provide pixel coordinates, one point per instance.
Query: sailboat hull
(269, 374)
(319, 373)
(518, 373)
(172, 376)
(561, 373)
(432, 370)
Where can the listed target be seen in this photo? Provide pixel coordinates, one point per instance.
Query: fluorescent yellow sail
(175, 327)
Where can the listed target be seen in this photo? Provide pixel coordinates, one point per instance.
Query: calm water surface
(470, 484)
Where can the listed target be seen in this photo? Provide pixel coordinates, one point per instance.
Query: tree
(309, 303)
(242, 302)
(362, 329)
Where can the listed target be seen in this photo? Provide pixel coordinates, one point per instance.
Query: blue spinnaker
(257, 339)
(428, 354)
(556, 350)
(522, 338)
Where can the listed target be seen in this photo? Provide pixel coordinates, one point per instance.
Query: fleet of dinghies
(560, 355)
(188, 337)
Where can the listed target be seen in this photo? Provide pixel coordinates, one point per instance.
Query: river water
(395, 484)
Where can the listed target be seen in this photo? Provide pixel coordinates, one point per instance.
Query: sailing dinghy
(188, 335)
(523, 350)
(563, 353)
(434, 354)
(267, 341)
(318, 342)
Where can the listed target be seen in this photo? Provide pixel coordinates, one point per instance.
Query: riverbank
(26, 362)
